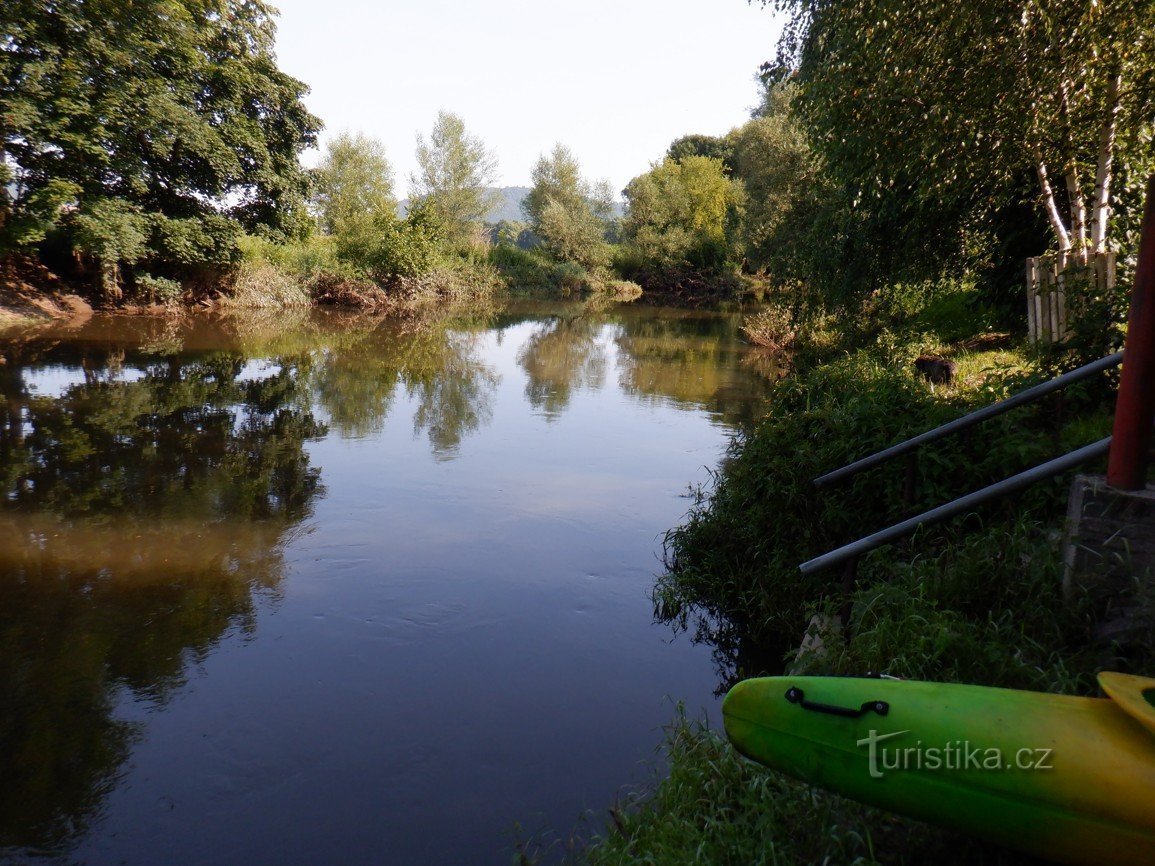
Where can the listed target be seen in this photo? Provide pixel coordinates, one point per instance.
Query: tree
(715, 147)
(567, 212)
(941, 108)
(171, 110)
(455, 171)
(683, 213)
(770, 155)
(353, 183)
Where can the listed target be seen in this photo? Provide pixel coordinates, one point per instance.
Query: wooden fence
(1052, 280)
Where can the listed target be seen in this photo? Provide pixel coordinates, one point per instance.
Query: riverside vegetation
(900, 166)
(925, 186)
(151, 156)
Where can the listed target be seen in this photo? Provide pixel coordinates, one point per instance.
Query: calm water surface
(323, 589)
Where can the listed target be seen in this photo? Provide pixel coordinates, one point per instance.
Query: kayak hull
(1067, 778)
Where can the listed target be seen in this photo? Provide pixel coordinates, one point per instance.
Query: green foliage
(111, 230)
(536, 270)
(684, 214)
(408, 247)
(770, 156)
(28, 225)
(573, 237)
(353, 185)
(157, 290)
(567, 212)
(935, 127)
(305, 259)
(719, 148)
(715, 808)
(736, 558)
(193, 241)
(455, 171)
(133, 114)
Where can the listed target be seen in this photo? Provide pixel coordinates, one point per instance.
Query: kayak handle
(796, 696)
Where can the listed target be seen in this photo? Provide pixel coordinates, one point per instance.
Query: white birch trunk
(1101, 207)
(1056, 219)
(1078, 205)
(1078, 209)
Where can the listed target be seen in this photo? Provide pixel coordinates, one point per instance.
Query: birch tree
(947, 103)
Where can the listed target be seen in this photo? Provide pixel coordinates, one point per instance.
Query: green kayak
(1067, 778)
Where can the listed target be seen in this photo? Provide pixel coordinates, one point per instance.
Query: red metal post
(1135, 405)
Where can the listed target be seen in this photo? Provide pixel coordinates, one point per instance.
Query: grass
(714, 807)
(976, 600)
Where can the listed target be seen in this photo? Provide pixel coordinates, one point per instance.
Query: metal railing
(848, 554)
(959, 506)
(1030, 395)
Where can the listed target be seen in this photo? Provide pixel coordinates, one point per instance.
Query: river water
(305, 588)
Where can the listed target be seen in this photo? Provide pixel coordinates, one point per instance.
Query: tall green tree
(353, 184)
(569, 213)
(938, 108)
(168, 116)
(454, 176)
(683, 213)
(770, 156)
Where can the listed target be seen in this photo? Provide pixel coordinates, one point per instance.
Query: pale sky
(614, 80)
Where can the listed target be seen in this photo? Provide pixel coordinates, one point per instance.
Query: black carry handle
(797, 696)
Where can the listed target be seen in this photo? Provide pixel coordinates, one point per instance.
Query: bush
(772, 328)
(537, 270)
(735, 560)
(157, 290)
(264, 285)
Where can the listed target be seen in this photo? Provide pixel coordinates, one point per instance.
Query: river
(304, 588)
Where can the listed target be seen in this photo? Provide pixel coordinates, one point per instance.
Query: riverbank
(31, 294)
(976, 600)
(270, 277)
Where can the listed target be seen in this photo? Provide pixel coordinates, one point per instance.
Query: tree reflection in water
(694, 360)
(138, 520)
(560, 357)
(149, 493)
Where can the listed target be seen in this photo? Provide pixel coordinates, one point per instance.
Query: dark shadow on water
(142, 517)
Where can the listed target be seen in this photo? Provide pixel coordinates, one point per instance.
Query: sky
(614, 80)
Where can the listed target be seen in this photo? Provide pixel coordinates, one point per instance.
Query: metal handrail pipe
(1028, 396)
(958, 506)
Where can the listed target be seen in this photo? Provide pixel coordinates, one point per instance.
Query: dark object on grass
(935, 368)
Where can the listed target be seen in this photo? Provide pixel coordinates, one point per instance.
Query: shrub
(157, 290)
(736, 557)
(772, 328)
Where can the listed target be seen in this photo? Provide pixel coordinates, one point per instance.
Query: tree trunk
(1078, 236)
(5, 202)
(1078, 209)
(110, 281)
(1106, 159)
(1056, 219)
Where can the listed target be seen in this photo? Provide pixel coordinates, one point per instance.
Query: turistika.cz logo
(956, 755)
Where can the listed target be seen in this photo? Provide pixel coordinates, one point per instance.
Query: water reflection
(561, 356)
(143, 505)
(453, 388)
(692, 360)
(152, 474)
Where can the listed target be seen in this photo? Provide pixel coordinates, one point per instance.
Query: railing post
(1135, 405)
